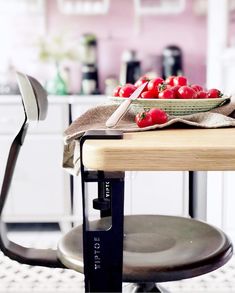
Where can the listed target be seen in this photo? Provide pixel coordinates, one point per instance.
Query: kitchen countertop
(69, 99)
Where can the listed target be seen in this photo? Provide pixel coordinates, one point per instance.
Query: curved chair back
(34, 99)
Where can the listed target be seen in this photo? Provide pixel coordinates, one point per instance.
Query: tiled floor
(18, 278)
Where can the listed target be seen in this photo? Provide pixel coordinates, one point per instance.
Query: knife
(122, 109)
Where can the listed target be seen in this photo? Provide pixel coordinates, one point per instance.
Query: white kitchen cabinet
(40, 190)
(40, 185)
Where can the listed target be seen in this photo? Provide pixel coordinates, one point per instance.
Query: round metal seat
(157, 248)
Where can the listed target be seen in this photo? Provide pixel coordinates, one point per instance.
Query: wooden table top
(164, 150)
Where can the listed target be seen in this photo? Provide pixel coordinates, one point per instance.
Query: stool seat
(157, 248)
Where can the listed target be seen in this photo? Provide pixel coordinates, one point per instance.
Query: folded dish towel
(96, 117)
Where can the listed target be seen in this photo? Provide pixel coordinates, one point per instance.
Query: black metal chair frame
(34, 99)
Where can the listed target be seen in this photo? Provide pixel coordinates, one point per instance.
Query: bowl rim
(172, 100)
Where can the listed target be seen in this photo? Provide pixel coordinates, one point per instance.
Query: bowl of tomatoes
(174, 95)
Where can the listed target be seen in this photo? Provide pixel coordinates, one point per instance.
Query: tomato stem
(162, 87)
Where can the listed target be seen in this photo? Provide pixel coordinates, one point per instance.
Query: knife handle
(118, 113)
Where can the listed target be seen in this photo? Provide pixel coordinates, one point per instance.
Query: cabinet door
(159, 193)
(40, 188)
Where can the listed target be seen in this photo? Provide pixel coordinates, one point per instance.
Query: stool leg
(198, 195)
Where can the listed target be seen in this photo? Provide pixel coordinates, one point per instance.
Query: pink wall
(116, 32)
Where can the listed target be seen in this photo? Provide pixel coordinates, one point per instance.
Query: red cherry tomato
(141, 81)
(197, 87)
(158, 116)
(127, 90)
(202, 95)
(170, 80)
(153, 84)
(186, 92)
(116, 91)
(167, 94)
(214, 93)
(143, 119)
(175, 90)
(149, 95)
(180, 80)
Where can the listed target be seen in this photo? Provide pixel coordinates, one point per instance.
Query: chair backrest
(34, 99)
